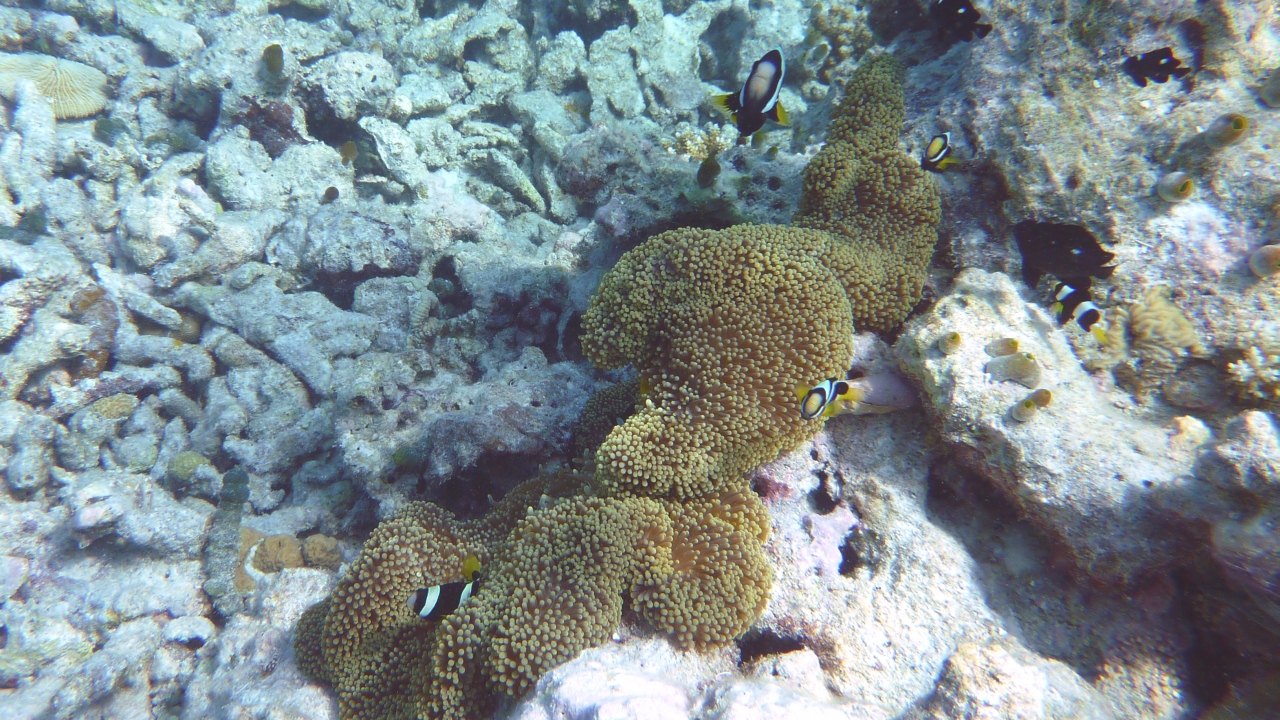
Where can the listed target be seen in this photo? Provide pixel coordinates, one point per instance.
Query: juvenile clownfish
(758, 99)
(937, 156)
(1077, 304)
(827, 398)
(437, 601)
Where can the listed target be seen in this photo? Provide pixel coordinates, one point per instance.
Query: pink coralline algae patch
(826, 535)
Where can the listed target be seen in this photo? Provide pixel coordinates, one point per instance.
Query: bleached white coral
(1256, 374)
(701, 143)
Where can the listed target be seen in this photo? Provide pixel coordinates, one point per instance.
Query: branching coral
(702, 143)
(1256, 374)
(845, 27)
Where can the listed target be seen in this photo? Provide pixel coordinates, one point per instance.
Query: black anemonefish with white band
(937, 156)
(1076, 303)
(438, 601)
(827, 398)
(758, 99)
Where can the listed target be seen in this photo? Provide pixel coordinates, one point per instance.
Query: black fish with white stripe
(1073, 301)
(757, 101)
(437, 601)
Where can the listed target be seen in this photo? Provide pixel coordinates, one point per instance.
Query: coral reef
(278, 272)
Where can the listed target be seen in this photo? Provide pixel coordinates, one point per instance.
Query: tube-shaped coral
(949, 343)
(1019, 367)
(1175, 187)
(1228, 129)
(1265, 261)
(1270, 90)
(1001, 347)
(1025, 410)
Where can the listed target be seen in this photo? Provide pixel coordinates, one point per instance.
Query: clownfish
(758, 99)
(937, 156)
(827, 398)
(437, 601)
(1077, 304)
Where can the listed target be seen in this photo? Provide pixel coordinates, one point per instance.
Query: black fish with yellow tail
(758, 100)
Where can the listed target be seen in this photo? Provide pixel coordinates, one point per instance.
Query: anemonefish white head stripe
(757, 101)
(937, 155)
(433, 603)
(1077, 304)
(827, 398)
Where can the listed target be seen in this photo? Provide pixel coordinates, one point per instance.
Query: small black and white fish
(437, 601)
(758, 100)
(827, 398)
(1073, 301)
(1158, 65)
(937, 156)
(959, 18)
(1063, 251)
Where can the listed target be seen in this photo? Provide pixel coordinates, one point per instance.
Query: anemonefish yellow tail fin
(1099, 334)
(847, 402)
(945, 162)
(802, 391)
(645, 387)
(779, 115)
(470, 567)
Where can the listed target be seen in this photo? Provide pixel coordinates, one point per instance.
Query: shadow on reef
(1189, 617)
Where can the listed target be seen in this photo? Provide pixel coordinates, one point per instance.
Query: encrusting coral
(1148, 340)
(723, 381)
(667, 518)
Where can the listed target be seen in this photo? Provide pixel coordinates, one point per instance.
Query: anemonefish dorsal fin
(470, 566)
(726, 103)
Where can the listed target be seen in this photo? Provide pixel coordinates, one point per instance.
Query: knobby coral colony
(667, 517)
